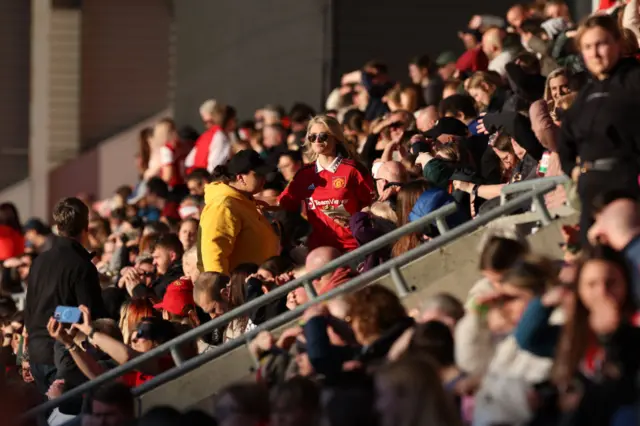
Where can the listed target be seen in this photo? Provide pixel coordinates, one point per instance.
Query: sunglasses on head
(320, 137)
(396, 125)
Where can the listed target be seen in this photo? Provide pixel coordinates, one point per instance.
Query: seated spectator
(37, 235)
(188, 232)
(295, 402)
(197, 180)
(410, 389)
(289, 163)
(246, 404)
(167, 258)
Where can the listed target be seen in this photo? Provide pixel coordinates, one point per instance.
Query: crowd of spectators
(221, 218)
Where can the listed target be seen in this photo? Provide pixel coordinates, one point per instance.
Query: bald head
(426, 118)
(319, 257)
(516, 15)
(492, 42)
(392, 171)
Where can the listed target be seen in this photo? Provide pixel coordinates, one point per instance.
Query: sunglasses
(396, 125)
(320, 137)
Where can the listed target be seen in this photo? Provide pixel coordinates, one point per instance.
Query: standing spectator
(421, 73)
(599, 129)
(11, 239)
(473, 59)
(334, 186)
(230, 224)
(492, 45)
(213, 146)
(61, 276)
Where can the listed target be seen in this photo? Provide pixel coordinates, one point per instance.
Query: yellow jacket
(232, 231)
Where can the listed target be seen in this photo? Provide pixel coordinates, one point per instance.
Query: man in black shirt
(61, 276)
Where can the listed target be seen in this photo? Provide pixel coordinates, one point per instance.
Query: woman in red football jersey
(334, 186)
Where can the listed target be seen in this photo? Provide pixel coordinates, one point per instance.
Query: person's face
(190, 267)
(252, 182)
(25, 267)
(447, 71)
(322, 142)
(558, 86)
(600, 279)
(26, 372)
(553, 11)
(162, 259)
(515, 302)
(107, 414)
(196, 187)
(271, 137)
(288, 167)
(305, 368)
(141, 344)
(30, 236)
(469, 41)
(146, 271)
(448, 91)
(494, 277)
(269, 196)
(187, 234)
(416, 74)
(515, 17)
(481, 96)
(507, 159)
(599, 50)
(210, 306)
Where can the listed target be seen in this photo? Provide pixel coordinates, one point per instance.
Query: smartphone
(67, 314)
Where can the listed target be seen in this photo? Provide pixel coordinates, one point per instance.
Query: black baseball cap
(447, 126)
(35, 224)
(248, 160)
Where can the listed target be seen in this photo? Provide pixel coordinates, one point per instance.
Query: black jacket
(603, 123)
(62, 275)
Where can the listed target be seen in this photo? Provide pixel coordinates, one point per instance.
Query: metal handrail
(277, 293)
(391, 266)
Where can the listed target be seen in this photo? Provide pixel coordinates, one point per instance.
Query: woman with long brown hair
(407, 198)
(334, 186)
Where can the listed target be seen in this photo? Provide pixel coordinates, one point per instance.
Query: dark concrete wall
(247, 53)
(125, 65)
(15, 51)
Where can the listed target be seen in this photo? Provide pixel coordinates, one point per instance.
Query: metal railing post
(402, 289)
(442, 225)
(177, 356)
(541, 207)
(310, 289)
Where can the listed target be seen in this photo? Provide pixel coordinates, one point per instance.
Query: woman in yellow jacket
(232, 230)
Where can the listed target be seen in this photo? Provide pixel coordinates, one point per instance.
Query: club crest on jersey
(338, 182)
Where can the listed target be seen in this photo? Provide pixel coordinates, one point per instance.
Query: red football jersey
(337, 192)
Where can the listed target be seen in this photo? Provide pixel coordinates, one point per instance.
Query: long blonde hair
(343, 147)
(553, 74)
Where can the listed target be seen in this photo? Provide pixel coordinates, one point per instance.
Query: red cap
(179, 294)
